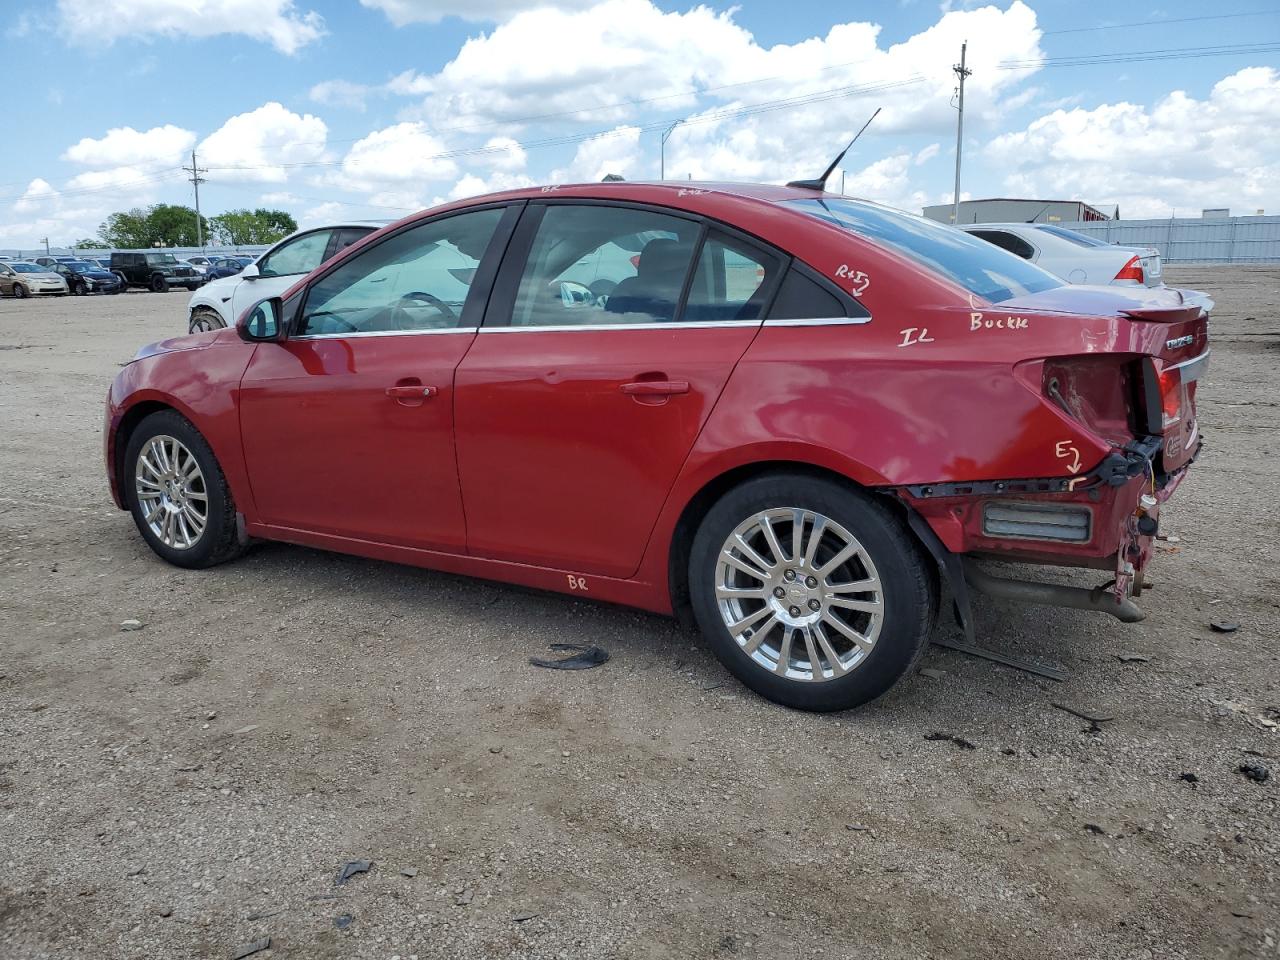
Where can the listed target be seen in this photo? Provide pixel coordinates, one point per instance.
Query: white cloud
(503, 154)
(1180, 153)
(278, 22)
(38, 192)
(613, 152)
(341, 93)
(127, 147)
(401, 12)
(396, 154)
(927, 154)
(260, 144)
(473, 186)
(282, 198)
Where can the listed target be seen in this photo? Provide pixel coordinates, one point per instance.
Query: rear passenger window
(730, 282)
(1007, 241)
(803, 297)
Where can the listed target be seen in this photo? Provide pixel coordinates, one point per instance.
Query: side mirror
(250, 272)
(262, 322)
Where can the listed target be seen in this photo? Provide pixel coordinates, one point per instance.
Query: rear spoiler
(1194, 306)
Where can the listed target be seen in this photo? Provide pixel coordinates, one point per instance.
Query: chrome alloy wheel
(810, 610)
(171, 492)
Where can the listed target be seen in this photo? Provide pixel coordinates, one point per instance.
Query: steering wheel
(347, 326)
(400, 318)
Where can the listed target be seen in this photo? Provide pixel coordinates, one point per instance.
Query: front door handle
(415, 391)
(655, 388)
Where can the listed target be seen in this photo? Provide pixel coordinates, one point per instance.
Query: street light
(662, 150)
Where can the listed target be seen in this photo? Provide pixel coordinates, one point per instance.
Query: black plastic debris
(586, 657)
(350, 869)
(1094, 828)
(1224, 626)
(1189, 777)
(249, 949)
(960, 742)
(1093, 719)
(1255, 771)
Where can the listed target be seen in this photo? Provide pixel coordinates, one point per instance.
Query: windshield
(158, 258)
(978, 266)
(80, 266)
(1079, 239)
(28, 268)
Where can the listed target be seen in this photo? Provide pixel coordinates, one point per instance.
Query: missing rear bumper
(1099, 599)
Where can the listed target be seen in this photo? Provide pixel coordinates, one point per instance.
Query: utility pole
(196, 180)
(662, 151)
(961, 72)
(45, 241)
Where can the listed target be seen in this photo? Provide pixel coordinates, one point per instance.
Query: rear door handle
(655, 388)
(414, 391)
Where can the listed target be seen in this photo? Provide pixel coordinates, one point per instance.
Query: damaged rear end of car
(1121, 372)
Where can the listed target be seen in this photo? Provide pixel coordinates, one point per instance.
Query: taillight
(1170, 380)
(1132, 271)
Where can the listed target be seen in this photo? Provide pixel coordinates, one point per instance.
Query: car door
(347, 425)
(602, 353)
(279, 269)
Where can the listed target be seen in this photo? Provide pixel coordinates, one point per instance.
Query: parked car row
(1075, 257)
(159, 272)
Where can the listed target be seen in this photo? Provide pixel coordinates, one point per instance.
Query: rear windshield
(1080, 239)
(980, 267)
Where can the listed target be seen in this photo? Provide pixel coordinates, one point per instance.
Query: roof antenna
(1040, 211)
(821, 183)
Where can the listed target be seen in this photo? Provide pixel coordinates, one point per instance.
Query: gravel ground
(193, 787)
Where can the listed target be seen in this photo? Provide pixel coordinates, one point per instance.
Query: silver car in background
(1075, 257)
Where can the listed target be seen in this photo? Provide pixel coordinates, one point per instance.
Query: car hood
(98, 274)
(1109, 301)
(42, 275)
(192, 341)
(221, 285)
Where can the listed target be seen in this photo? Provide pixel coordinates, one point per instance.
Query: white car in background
(1075, 257)
(219, 302)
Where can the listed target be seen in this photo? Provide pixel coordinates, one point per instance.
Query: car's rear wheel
(159, 284)
(810, 592)
(177, 493)
(204, 319)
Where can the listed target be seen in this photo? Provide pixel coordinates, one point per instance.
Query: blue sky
(373, 108)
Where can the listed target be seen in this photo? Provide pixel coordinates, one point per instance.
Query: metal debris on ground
(587, 656)
(249, 949)
(1224, 626)
(131, 625)
(409, 872)
(960, 742)
(350, 869)
(524, 917)
(1255, 771)
(1018, 663)
(1133, 658)
(342, 922)
(931, 673)
(1093, 721)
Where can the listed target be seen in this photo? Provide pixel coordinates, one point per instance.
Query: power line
(1136, 56)
(1151, 23)
(196, 180)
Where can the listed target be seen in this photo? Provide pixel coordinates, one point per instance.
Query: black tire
(205, 318)
(219, 542)
(909, 590)
(159, 284)
(79, 290)
(20, 291)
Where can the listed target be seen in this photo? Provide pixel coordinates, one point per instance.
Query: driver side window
(297, 256)
(416, 280)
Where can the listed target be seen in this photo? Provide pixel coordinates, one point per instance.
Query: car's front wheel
(177, 493)
(810, 592)
(159, 284)
(20, 291)
(204, 319)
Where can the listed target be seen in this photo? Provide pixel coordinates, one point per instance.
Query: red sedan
(789, 414)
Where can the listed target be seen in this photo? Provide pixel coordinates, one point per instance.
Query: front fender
(201, 384)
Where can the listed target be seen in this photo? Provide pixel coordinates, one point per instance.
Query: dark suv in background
(155, 271)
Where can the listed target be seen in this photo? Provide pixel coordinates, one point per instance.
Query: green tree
(164, 223)
(90, 243)
(237, 227)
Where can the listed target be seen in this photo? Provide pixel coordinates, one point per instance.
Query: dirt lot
(192, 787)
